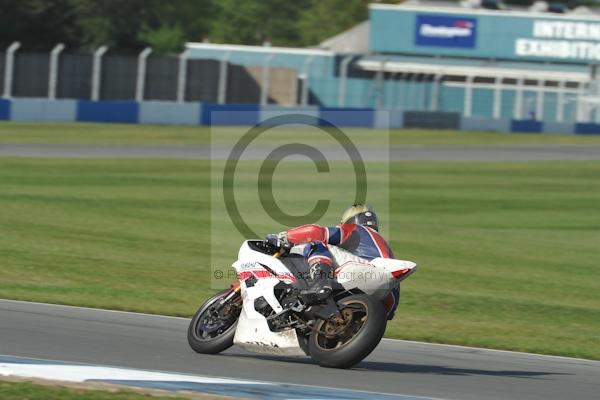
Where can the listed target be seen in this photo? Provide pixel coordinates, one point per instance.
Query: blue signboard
(508, 35)
(445, 31)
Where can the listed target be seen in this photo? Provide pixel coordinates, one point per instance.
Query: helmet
(361, 214)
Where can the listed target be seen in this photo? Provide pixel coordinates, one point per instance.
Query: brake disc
(336, 326)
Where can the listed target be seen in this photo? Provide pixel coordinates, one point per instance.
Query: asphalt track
(396, 367)
(525, 152)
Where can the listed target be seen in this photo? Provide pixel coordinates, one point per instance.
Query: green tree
(328, 18)
(166, 39)
(256, 21)
(133, 24)
(37, 24)
(130, 25)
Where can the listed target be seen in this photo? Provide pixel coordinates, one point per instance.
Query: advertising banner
(445, 31)
(561, 39)
(481, 34)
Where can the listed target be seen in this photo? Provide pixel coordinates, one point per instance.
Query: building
(489, 66)
(418, 64)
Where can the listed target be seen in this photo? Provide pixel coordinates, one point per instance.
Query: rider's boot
(320, 284)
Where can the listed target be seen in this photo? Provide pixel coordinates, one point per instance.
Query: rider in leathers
(330, 249)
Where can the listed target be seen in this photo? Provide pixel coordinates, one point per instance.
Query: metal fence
(105, 76)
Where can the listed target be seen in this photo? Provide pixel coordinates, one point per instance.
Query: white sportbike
(263, 313)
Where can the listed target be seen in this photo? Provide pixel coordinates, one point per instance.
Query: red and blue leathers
(361, 241)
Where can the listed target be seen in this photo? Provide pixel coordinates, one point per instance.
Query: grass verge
(508, 252)
(121, 134)
(15, 390)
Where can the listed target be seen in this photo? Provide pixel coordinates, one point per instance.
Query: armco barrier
(525, 126)
(559, 127)
(43, 110)
(480, 124)
(191, 113)
(4, 109)
(358, 117)
(229, 114)
(169, 113)
(389, 118)
(431, 120)
(587, 129)
(270, 111)
(108, 111)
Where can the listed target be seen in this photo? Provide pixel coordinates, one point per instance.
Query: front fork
(234, 290)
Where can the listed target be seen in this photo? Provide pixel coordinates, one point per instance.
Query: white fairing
(375, 278)
(252, 331)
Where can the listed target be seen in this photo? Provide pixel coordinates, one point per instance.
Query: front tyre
(347, 341)
(213, 326)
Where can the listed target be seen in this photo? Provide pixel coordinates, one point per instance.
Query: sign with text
(561, 39)
(445, 31)
(482, 34)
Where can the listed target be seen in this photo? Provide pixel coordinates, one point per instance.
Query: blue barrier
(164, 112)
(482, 124)
(108, 111)
(526, 126)
(349, 117)
(4, 110)
(169, 113)
(388, 118)
(229, 114)
(587, 129)
(272, 111)
(43, 110)
(559, 127)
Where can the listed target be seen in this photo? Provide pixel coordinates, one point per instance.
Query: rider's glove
(277, 240)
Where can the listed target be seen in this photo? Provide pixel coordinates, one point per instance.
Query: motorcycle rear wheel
(211, 331)
(345, 343)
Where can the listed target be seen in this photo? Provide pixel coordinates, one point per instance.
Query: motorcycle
(263, 312)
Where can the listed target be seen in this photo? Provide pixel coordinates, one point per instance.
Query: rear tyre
(345, 343)
(213, 326)
(303, 343)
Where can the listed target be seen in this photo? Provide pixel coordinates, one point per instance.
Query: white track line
(81, 372)
(385, 339)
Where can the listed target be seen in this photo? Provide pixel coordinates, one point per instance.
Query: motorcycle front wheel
(345, 341)
(213, 326)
